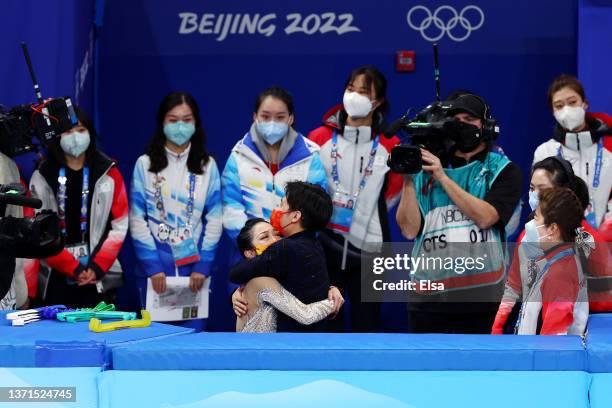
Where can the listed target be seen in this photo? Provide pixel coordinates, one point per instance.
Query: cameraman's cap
(468, 103)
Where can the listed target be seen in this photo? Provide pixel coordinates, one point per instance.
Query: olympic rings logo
(455, 20)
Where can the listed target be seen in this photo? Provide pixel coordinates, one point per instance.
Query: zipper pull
(361, 165)
(587, 168)
(357, 137)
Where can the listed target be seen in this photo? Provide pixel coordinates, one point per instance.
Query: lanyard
(367, 172)
(159, 204)
(61, 200)
(598, 162)
(539, 277)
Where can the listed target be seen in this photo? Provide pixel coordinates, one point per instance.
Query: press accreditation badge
(589, 214)
(184, 248)
(342, 216)
(81, 253)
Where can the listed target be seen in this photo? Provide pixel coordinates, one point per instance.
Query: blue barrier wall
(305, 389)
(594, 57)
(148, 49)
(60, 39)
(226, 52)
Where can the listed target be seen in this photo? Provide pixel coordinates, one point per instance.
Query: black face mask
(466, 137)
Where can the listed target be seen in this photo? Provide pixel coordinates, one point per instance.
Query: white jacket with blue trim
(250, 189)
(207, 225)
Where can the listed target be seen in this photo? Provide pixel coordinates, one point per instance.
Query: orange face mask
(259, 249)
(275, 220)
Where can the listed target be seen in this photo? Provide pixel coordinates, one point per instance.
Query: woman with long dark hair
(175, 200)
(86, 189)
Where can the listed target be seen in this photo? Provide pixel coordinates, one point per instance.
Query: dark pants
(456, 320)
(364, 316)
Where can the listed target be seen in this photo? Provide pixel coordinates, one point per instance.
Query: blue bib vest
(456, 252)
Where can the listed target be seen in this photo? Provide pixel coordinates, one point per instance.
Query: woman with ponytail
(546, 174)
(552, 282)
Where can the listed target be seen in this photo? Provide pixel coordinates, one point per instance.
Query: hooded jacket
(108, 215)
(369, 227)
(581, 150)
(249, 187)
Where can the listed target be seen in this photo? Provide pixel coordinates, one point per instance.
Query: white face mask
(357, 106)
(570, 117)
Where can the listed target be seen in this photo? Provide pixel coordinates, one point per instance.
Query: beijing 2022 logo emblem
(445, 20)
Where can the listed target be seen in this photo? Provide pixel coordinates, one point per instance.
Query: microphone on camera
(397, 125)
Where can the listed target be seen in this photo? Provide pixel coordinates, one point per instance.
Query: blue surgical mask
(179, 132)
(272, 132)
(534, 200)
(75, 143)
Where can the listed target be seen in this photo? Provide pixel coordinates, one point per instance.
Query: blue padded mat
(355, 389)
(83, 379)
(50, 343)
(289, 351)
(599, 343)
(601, 322)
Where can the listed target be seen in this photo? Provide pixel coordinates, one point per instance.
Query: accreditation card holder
(342, 216)
(81, 254)
(589, 214)
(184, 248)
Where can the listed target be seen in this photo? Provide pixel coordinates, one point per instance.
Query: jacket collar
(298, 152)
(596, 127)
(457, 162)
(550, 252)
(100, 164)
(285, 147)
(335, 118)
(357, 135)
(306, 234)
(177, 157)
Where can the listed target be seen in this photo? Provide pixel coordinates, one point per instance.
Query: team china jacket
(108, 220)
(154, 255)
(382, 189)
(558, 299)
(582, 151)
(251, 190)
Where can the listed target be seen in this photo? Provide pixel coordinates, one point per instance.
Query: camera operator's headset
(490, 129)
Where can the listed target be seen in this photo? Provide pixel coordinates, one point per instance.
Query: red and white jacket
(560, 297)
(109, 203)
(366, 231)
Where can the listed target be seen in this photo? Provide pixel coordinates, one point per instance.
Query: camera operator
(13, 288)
(474, 195)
